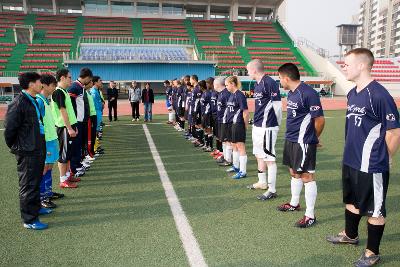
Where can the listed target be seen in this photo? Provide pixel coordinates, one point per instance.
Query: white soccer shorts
(264, 140)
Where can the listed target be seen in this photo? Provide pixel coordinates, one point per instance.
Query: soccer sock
(170, 116)
(211, 141)
(243, 163)
(236, 160)
(375, 233)
(310, 190)
(352, 221)
(200, 134)
(219, 145)
(63, 178)
(49, 183)
(262, 177)
(272, 169)
(228, 153)
(296, 187)
(224, 150)
(206, 140)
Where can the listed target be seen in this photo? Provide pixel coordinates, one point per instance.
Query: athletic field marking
(2, 129)
(189, 242)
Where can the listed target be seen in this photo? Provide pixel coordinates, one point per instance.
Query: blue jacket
(98, 104)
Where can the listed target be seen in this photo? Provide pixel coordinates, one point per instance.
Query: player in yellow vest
(49, 84)
(65, 120)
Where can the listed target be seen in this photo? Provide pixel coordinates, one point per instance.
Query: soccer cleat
(47, 203)
(288, 207)
(79, 174)
(214, 152)
(68, 184)
(74, 179)
(257, 186)
(267, 196)
(45, 211)
(342, 238)
(220, 159)
(36, 225)
(365, 261)
(57, 195)
(306, 222)
(133, 120)
(225, 164)
(232, 169)
(208, 149)
(239, 175)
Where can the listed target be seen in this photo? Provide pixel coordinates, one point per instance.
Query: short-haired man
(267, 119)
(372, 137)
(112, 96)
(304, 125)
(24, 135)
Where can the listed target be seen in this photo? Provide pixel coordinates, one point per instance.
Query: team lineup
(57, 120)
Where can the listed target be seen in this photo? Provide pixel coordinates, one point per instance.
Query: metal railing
(307, 43)
(133, 40)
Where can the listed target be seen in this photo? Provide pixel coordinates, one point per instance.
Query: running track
(124, 108)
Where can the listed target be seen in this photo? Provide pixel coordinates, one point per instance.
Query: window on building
(13, 8)
(172, 9)
(147, 8)
(70, 11)
(122, 8)
(96, 6)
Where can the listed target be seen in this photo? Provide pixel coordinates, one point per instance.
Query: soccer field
(120, 216)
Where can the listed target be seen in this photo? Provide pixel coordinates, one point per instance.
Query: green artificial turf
(119, 214)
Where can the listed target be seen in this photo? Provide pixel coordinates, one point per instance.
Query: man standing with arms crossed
(267, 118)
(372, 137)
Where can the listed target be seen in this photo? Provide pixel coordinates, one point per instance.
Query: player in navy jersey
(205, 102)
(223, 126)
(168, 101)
(304, 124)
(216, 153)
(372, 137)
(196, 111)
(180, 93)
(237, 116)
(188, 110)
(267, 118)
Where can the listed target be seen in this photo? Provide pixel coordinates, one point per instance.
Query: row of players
(53, 120)
(217, 108)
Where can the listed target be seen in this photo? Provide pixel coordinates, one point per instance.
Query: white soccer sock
(170, 116)
(296, 187)
(228, 153)
(63, 178)
(262, 177)
(310, 190)
(236, 161)
(272, 169)
(243, 163)
(68, 174)
(224, 150)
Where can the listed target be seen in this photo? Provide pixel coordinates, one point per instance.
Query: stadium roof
(77, 3)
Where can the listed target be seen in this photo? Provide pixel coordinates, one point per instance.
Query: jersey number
(357, 121)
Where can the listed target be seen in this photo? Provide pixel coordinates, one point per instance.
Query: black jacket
(112, 92)
(22, 130)
(151, 95)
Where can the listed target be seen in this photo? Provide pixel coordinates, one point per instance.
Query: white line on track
(189, 242)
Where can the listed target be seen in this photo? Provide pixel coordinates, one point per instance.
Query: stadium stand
(384, 70)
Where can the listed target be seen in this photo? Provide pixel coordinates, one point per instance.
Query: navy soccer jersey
(205, 102)
(180, 94)
(196, 95)
(188, 101)
(370, 113)
(168, 93)
(265, 92)
(223, 97)
(303, 105)
(235, 106)
(214, 106)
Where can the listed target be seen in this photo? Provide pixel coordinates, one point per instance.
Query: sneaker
(342, 238)
(233, 169)
(214, 152)
(267, 196)
(219, 155)
(81, 169)
(57, 195)
(133, 120)
(68, 184)
(47, 203)
(239, 175)
(137, 119)
(79, 174)
(89, 158)
(45, 211)
(36, 225)
(288, 207)
(257, 186)
(306, 222)
(207, 149)
(365, 261)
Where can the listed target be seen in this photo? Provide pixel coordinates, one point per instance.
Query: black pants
(30, 171)
(93, 120)
(135, 110)
(76, 147)
(112, 105)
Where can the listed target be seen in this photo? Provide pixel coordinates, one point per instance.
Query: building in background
(380, 27)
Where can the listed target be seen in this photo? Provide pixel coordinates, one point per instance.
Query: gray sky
(316, 20)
